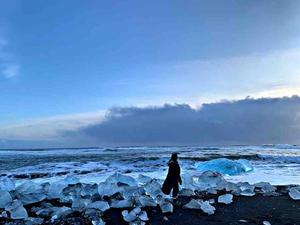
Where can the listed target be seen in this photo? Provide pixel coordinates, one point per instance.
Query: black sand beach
(278, 210)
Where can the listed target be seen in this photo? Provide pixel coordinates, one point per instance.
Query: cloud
(9, 67)
(248, 121)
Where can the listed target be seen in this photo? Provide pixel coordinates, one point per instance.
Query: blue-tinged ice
(225, 166)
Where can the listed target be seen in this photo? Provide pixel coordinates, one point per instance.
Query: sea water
(277, 164)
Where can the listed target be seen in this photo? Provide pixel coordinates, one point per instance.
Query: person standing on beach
(173, 178)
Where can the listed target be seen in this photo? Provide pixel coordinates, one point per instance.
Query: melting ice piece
(143, 179)
(5, 198)
(147, 201)
(186, 192)
(166, 207)
(89, 189)
(7, 184)
(246, 189)
(153, 189)
(225, 166)
(100, 205)
(265, 187)
(266, 223)
(294, 193)
(193, 204)
(30, 192)
(59, 212)
(130, 191)
(80, 203)
(108, 189)
(16, 209)
(120, 178)
(55, 189)
(226, 199)
(143, 216)
(205, 206)
(209, 180)
(98, 221)
(132, 215)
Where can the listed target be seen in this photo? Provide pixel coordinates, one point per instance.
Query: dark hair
(174, 156)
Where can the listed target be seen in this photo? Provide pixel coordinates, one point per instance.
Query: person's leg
(175, 190)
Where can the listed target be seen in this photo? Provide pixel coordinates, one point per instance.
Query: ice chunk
(200, 204)
(132, 215)
(143, 216)
(147, 201)
(166, 207)
(30, 192)
(58, 212)
(71, 179)
(89, 189)
(55, 189)
(5, 198)
(34, 221)
(265, 187)
(153, 189)
(98, 221)
(294, 193)
(121, 204)
(120, 178)
(226, 199)
(143, 179)
(266, 223)
(246, 189)
(225, 166)
(80, 203)
(16, 209)
(7, 184)
(132, 191)
(4, 214)
(209, 180)
(207, 208)
(108, 189)
(186, 192)
(100, 205)
(193, 204)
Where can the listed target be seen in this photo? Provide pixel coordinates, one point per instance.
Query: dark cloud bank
(248, 121)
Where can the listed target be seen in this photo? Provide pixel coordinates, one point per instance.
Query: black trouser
(175, 189)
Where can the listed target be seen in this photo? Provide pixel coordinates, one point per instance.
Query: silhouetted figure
(173, 178)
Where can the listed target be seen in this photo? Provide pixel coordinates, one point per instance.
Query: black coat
(173, 177)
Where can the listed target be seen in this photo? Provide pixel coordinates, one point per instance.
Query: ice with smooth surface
(7, 184)
(207, 180)
(29, 192)
(166, 207)
(147, 201)
(225, 166)
(5, 198)
(16, 209)
(207, 208)
(193, 204)
(153, 189)
(120, 178)
(108, 189)
(100, 205)
(294, 193)
(265, 187)
(226, 199)
(143, 179)
(246, 189)
(132, 215)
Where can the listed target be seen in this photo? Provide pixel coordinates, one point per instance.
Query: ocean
(277, 164)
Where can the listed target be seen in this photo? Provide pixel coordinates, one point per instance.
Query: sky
(66, 66)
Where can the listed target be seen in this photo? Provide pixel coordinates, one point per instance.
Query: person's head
(174, 156)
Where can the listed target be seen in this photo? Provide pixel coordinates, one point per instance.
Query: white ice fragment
(143, 179)
(200, 204)
(4, 214)
(5, 198)
(143, 216)
(186, 192)
(246, 189)
(226, 199)
(98, 221)
(265, 187)
(207, 208)
(7, 184)
(120, 178)
(193, 204)
(108, 189)
(59, 212)
(132, 215)
(266, 223)
(29, 192)
(153, 189)
(121, 203)
(294, 193)
(100, 205)
(166, 207)
(225, 166)
(16, 209)
(147, 201)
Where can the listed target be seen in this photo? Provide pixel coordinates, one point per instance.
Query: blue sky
(72, 60)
